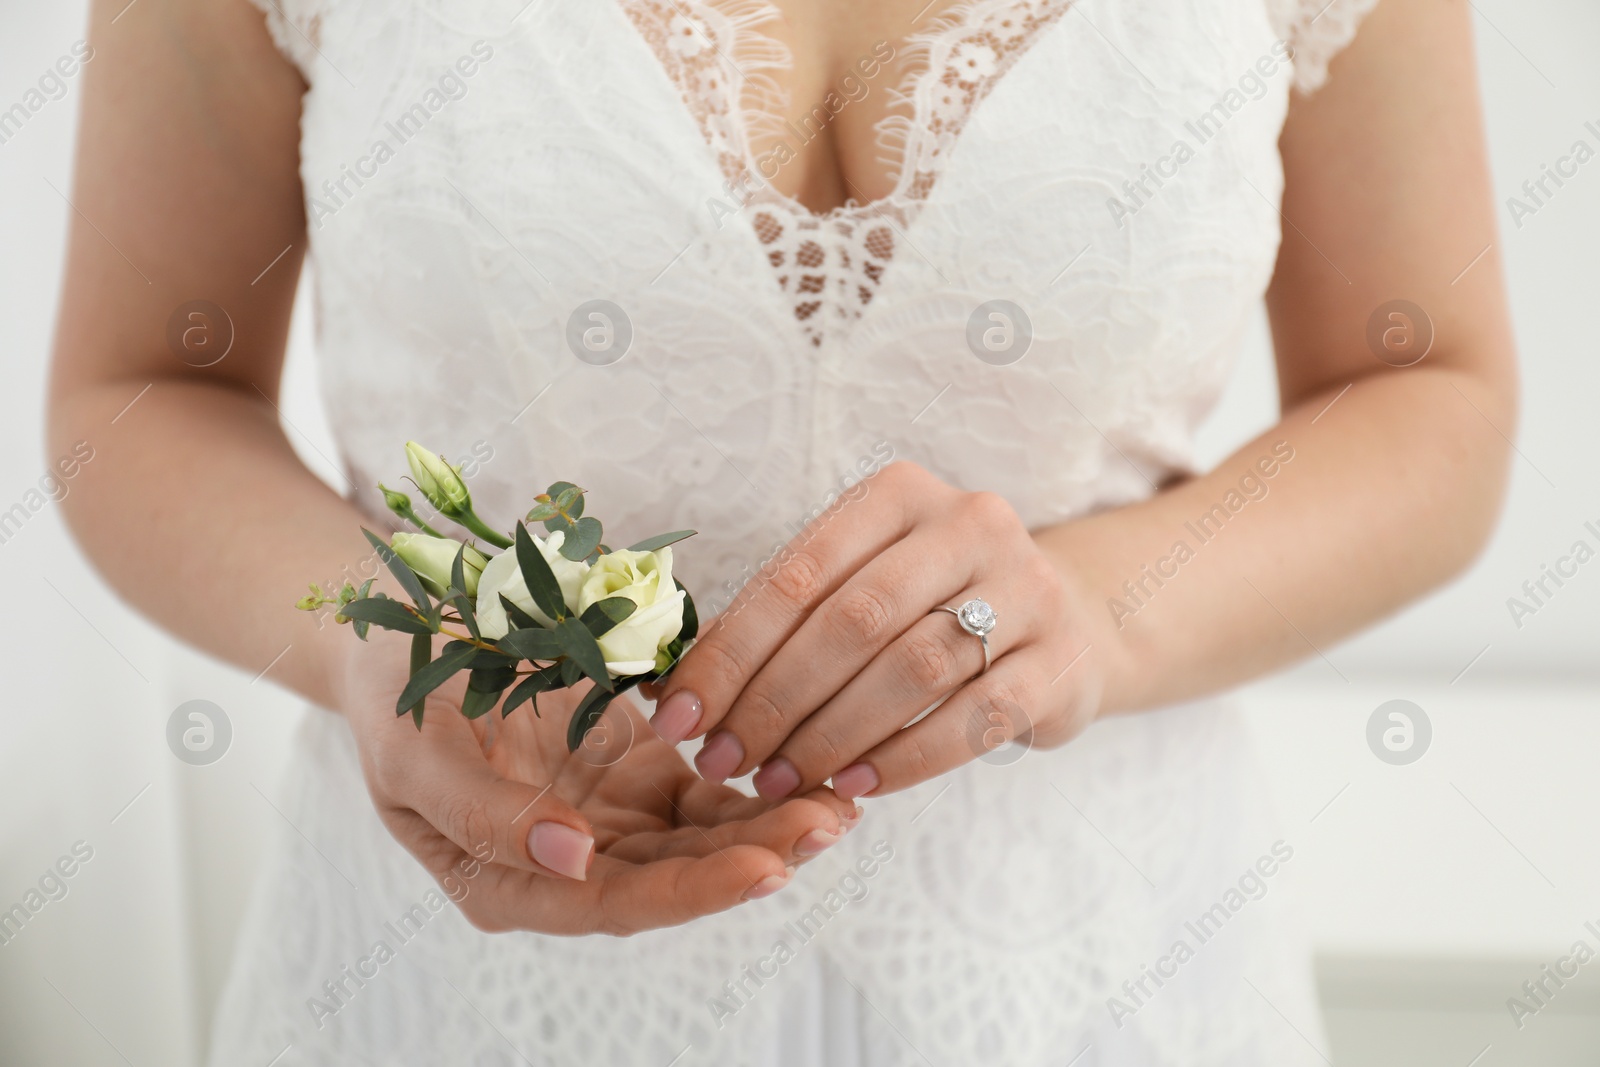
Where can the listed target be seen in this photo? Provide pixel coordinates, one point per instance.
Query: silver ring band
(977, 618)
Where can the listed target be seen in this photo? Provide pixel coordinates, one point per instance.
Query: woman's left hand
(838, 643)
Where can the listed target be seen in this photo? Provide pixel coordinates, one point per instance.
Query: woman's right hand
(619, 837)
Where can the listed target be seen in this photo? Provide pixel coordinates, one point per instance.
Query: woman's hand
(618, 837)
(819, 665)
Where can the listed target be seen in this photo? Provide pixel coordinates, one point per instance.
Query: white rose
(645, 578)
(502, 575)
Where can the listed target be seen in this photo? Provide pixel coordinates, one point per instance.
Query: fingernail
(851, 821)
(676, 717)
(856, 780)
(777, 779)
(561, 848)
(816, 841)
(769, 885)
(719, 757)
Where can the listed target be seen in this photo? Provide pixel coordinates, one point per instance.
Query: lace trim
(1317, 30)
(727, 66)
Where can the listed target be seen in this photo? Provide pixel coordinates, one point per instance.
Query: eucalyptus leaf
(650, 544)
(582, 538)
(432, 676)
(571, 673)
(691, 617)
(517, 617)
(531, 644)
(403, 574)
(421, 652)
(567, 497)
(387, 613)
(464, 604)
(542, 511)
(603, 615)
(538, 576)
(587, 713)
(361, 626)
(484, 689)
(582, 649)
(530, 687)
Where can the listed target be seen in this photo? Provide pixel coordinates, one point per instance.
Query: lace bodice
(542, 237)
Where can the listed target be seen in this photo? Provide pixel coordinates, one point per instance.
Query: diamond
(977, 617)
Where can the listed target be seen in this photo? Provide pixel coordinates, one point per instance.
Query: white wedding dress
(479, 170)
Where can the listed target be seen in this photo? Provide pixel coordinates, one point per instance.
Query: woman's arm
(1393, 481)
(1396, 486)
(197, 510)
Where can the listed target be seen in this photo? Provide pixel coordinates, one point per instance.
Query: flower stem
(470, 520)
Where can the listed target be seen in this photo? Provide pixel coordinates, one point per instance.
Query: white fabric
(579, 161)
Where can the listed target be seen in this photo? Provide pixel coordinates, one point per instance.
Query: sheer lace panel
(728, 67)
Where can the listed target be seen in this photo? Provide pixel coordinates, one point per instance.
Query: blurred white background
(1431, 890)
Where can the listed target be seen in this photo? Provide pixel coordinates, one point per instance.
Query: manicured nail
(816, 841)
(561, 848)
(856, 780)
(676, 717)
(769, 885)
(853, 820)
(719, 757)
(777, 779)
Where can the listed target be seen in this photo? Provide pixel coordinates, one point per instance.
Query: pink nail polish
(676, 717)
(769, 885)
(777, 779)
(815, 842)
(850, 822)
(856, 780)
(561, 848)
(720, 757)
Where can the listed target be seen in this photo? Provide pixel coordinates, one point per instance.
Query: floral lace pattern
(567, 169)
(727, 68)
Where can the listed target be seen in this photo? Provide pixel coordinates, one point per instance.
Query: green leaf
(403, 574)
(483, 690)
(431, 676)
(587, 713)
(650, 544)
(557, 524)
(582, 538)
(464, 605)
(487, 659)
(421, 652)
(538, 576)
(584, 651)
(567, 497)
(571, 673)
(519, 618)
(603, 615)
(529, 688)
(361, 626)
(691, 617)
(535, 643)
(387, 613)
(543, 511)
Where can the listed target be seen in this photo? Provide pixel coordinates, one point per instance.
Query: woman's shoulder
(1316, 31)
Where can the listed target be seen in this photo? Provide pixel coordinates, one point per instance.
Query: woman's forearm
(198, 512)
(1335, 517)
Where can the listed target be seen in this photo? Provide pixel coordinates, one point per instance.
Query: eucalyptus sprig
(544, 642)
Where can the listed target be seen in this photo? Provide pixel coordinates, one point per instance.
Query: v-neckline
(683, 36)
